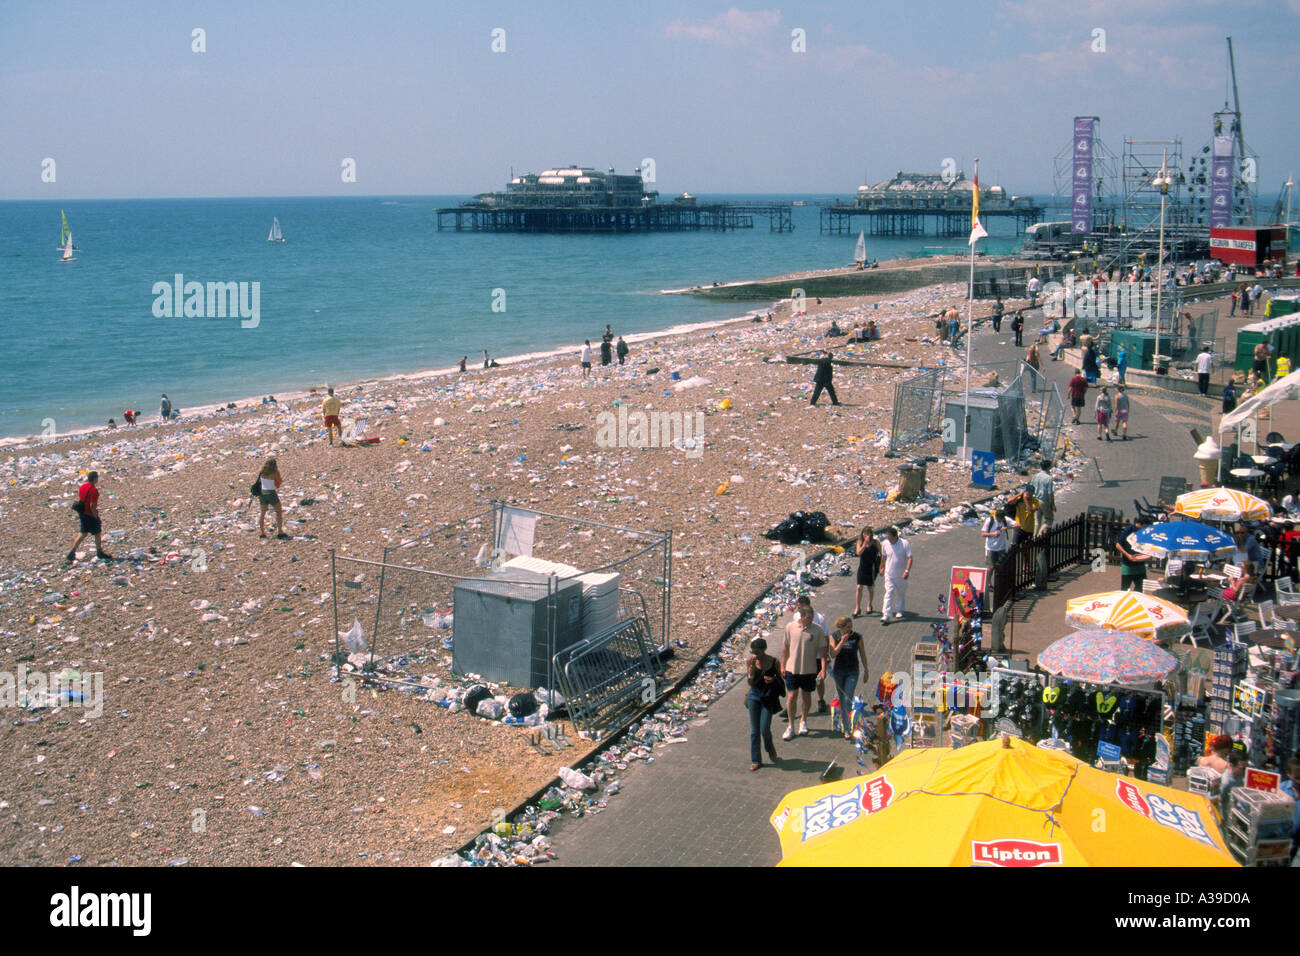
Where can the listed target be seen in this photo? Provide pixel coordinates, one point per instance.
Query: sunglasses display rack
(1189, 729)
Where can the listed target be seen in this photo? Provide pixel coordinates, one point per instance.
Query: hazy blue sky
(713, 93)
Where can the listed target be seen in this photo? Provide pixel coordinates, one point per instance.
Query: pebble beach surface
(223, 738)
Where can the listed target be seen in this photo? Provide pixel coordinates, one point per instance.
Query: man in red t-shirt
(88, 498)
(1078, 388)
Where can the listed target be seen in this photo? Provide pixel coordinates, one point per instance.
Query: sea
(362, 288)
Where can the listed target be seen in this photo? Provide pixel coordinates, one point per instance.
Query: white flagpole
(970, 312)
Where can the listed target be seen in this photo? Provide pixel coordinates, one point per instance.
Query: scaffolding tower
(1105, 182)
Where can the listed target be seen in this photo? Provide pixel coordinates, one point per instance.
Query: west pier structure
(578, 199)
(925, 204)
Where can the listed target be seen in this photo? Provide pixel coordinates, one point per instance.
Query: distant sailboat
(65, 233)
(67, 251)
(860, 253)
(275, 231)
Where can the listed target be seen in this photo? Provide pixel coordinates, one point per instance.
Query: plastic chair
(1266, 617)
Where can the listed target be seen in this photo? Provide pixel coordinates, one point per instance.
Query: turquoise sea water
(362, 287)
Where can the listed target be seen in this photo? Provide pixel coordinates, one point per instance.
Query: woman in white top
(268, 496)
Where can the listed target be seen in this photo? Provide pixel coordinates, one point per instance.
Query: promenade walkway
(699, 805)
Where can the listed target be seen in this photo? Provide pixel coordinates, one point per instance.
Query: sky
(813, 97)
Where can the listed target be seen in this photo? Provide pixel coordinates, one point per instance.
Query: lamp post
(1162, 182)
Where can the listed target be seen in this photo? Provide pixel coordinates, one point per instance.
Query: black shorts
(89, 524)
(586, 365)
(1076, 403)
(804, 682)
(1260, 367)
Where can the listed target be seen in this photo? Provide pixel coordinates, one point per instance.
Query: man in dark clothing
(822, 379)
(1018, 326)
(622, 351)
(998, 309)
(1132, 563)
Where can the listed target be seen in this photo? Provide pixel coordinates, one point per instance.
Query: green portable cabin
(1282, 333)
(1281, 305)
(1139, 344)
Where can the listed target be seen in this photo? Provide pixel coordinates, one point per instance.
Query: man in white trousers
(896, 565)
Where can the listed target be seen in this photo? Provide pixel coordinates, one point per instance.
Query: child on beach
(268, 496)
(584, 357)
(128, 416)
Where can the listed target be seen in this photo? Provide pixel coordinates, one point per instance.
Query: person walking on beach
(1121, 413)
(607, 347)
(584, 358)
(1078, 391)
(165, 408)
(846, 652)
(763, 700)
(1102, 408)
(868, 551)
(463, 360)
(822, 379)
(896, 565)
(1204, 363)
(803, 659)
(487, 361)
(1018, 327)
(87, 508)
(330, 408)
(621, 351)
(268, 496)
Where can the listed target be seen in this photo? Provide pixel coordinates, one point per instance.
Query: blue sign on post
(981, 468)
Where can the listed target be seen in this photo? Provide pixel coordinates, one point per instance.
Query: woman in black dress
(868, 552)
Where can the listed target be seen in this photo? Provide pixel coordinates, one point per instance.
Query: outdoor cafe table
(1290, 612)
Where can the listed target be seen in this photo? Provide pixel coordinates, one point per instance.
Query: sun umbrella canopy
(1182, 539)
(1130, 611)
(1107, 657)
(998, 803)
(1222, 504)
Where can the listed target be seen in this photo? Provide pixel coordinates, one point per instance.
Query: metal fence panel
(608, 678)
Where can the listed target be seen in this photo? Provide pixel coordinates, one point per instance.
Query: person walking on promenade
(269, 481)
(896, 565)
(998, 309)
(1018, 327)
(330, 408)
(1091, 363)
(87, 508)
(1032, 287)
(764, 699)
(803, 661)
(1078, 391)
(1022, 504)
(1103, 409)
(994, 532)
(1204, 363)
(868, 551)
(819, 619)
(846, 652)
(1032, 359)
(1121, 413)
(621, 351)
(822, 379)
(1043, 488)
(584, 357)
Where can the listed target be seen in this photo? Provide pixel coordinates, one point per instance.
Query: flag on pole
(976, 230)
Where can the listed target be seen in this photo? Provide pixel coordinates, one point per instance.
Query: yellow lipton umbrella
(1128, 611)
(998, 803)
(1222, 504)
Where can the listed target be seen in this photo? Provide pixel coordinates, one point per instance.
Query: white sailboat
(67, 251)
(275, 235)
(860, 253)
(64, 232)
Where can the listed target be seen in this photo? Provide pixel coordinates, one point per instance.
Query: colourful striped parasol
(1222, 504)
(1130, 611)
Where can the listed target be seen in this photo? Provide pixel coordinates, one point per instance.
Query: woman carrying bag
(766, 690)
